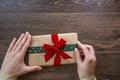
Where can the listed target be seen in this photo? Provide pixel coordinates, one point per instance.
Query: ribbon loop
(61, 43)
(54, 39)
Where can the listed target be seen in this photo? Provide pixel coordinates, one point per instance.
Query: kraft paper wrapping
(40, 40)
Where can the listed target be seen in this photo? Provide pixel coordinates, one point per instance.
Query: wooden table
(97, 22)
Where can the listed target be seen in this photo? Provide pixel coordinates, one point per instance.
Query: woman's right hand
(86, 66)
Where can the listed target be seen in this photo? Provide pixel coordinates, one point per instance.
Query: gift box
(53, 49)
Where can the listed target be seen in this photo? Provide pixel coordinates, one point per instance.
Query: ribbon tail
(57, 60)
(48, 55)
(65, 55)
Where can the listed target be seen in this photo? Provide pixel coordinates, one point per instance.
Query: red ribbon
(55, 49)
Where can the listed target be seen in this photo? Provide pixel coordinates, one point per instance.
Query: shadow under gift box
(36, 52)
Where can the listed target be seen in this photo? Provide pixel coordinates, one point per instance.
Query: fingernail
(14, 38)
(75, 49)
(27, 32)
(39, 68)
(78, 41)
(22, 34)
(29, 35)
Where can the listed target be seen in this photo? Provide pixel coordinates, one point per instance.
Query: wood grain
(100, 30)
(52, 6)
(107, 69)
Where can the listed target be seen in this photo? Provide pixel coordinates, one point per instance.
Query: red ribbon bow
(56, 48)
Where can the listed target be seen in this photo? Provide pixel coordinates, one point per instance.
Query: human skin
(13, 63)
(86, 66)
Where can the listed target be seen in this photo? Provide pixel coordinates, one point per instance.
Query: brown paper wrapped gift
(37, 52)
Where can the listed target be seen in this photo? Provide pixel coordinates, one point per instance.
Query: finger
(18, 41)
(28, 69)
(84, 49)
(92, 53)
(33, 68)
(11, 45)
(81, 52)
(78, 57)
(26, 45)
(91, 50)
(21, 44)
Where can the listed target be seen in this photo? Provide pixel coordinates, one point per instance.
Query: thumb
(78, 57)
(34, 68)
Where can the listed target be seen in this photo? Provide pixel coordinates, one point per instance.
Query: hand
(13, 63)
(86, 66)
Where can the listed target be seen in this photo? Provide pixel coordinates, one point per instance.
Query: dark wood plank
(51, 6)
(107, 69)
(100, 30)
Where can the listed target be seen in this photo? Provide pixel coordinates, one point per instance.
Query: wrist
(88, 78)
(85, 75)
(5, 76)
